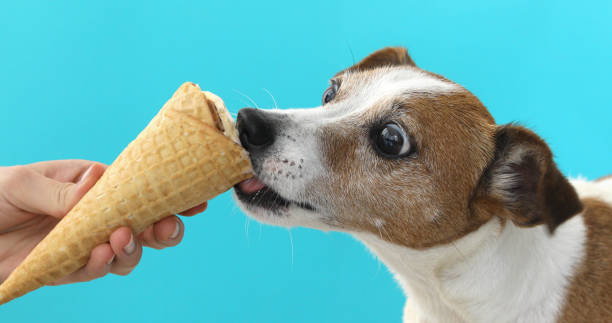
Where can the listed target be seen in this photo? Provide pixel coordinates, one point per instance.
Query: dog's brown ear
(524, 179)
(388, 56)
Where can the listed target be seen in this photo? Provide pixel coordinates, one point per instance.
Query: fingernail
(110, 261)
(130, 247)
(85, 175)
(177, 230)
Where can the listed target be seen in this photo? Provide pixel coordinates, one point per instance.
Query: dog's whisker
(351, 51)
(291, 241)
(273, 99)
(259, 235)
(246, 228)
(458, 251)
(244, 103)
(386, 232)
(248, 97)
(379, 233)
(257, 194)
(437, 223)
(234, 210)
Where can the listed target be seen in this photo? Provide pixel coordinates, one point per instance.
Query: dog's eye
(330, 93)
(391, 141)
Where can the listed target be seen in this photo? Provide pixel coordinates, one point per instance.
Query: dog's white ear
(388, 56)
(525, 181)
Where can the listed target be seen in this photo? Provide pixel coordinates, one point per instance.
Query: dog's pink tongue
(251, 185)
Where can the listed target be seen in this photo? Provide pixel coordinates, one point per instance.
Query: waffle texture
(188, 154)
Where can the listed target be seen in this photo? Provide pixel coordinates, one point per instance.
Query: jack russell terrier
(473, 218)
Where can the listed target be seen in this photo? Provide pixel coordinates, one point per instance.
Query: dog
(473, 218)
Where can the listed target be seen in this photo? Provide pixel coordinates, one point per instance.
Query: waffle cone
(188, 154)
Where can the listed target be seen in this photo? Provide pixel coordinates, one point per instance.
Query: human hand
(33, 199)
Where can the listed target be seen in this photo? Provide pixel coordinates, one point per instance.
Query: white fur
(601, 190)
(491, 275)
(388, 84)
(499, 273)
(513, 275)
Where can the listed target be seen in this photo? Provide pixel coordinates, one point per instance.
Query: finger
(195, 210)
(169, 231)
(70, 170)
(127, 250)
(35, 193)
(147, 239)
(99, 264)
(165, 233)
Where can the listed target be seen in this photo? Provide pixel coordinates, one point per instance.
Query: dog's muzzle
(257, 130)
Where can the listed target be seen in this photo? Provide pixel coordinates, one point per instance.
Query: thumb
(42, 195)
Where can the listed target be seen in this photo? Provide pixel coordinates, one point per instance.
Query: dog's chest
(487, 276)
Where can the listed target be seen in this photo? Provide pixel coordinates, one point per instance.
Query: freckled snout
(278, 163)
(256, 129)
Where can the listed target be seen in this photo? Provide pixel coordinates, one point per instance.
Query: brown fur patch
(590, 294)
(438, 195)
(526, 181)
(418, 201)
(388, 56)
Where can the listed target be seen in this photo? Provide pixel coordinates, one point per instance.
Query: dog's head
(399, 152)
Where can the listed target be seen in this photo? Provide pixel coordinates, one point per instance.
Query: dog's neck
(499, 271)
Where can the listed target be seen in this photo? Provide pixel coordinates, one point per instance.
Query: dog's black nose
(255, 128)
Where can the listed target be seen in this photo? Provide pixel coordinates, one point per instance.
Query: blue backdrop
(81, 79)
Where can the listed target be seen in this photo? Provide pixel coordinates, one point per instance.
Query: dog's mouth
(255, 192)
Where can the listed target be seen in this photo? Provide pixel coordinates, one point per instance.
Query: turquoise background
(81, 79)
